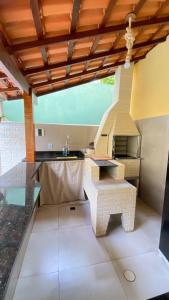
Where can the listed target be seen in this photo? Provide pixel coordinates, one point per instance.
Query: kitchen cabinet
(61, 181)
(132, 167)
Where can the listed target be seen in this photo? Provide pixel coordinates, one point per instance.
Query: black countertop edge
(13, 247)
(41, 156)
(22, 175)
(161, 297)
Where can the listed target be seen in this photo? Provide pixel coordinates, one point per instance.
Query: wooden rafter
(136, 11)
(86, 34)
(162, 6)
(36, 8)
(3, 76)
(8, 89)
(159, 10)
(118, 38)
(108, 11)
(139, 6)
(67, 86)
(92, 57)
(63, 25)
(75, 14)
(8, 64)
(111, 5)
(98, 69)
(10, 98)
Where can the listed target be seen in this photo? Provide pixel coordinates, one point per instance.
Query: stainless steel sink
(66, 157)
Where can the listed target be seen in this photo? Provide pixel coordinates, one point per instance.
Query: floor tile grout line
(59, 286)
(66, 227)
(134, 256)
(63, 228)
(120, 282)
(88, 266)
(38, 274)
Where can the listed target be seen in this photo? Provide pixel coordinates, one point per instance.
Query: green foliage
(108, 80)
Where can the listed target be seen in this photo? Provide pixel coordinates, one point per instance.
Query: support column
(29, 128)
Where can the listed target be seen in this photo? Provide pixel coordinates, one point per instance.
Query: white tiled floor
(152, 276)
(42, 254)
(65, 261)
(46, 219)
(78, 217)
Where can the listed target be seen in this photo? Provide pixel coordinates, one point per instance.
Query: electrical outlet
(50, 146)
(40, 132)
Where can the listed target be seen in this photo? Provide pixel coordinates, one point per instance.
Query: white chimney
(117, 120)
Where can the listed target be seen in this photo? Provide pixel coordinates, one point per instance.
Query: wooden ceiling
(8, 88)
(62, 43)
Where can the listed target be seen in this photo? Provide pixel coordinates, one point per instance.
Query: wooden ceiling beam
(10, 98)
(52, 81)
(136, 11)
(86, 34)
(3, 76)
(75, 15)
(109, 9)
(36, 9)
(118, 38)
(67, 86)
(139, 6)
(107, 14)
(162, 6)
(92, 57)
(159, 10)
(8, 89)
(10, 68)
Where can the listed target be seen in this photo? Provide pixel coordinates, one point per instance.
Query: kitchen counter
(19, 192)
(22, 175)
(57, 155)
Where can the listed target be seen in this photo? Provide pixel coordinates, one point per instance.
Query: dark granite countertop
(58, 156)
(19, 192)
(161, 297)
(104, 163)
(20, 176)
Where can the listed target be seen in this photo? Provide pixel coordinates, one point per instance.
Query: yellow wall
(150, 95)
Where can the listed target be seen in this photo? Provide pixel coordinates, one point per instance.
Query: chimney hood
(117, 120)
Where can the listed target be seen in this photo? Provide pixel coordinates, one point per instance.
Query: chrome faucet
(67, 144)
(66, 148)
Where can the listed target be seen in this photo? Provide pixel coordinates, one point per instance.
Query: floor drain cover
(129, 275)
(72, 208)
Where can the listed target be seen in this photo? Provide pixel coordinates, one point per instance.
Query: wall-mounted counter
(19, 193)
(58, 155)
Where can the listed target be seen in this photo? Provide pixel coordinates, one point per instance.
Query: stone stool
(107, 198)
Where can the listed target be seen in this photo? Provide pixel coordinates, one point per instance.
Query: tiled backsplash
(12, 146)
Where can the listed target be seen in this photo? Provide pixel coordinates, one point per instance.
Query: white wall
(154, 154)
(12, 144)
